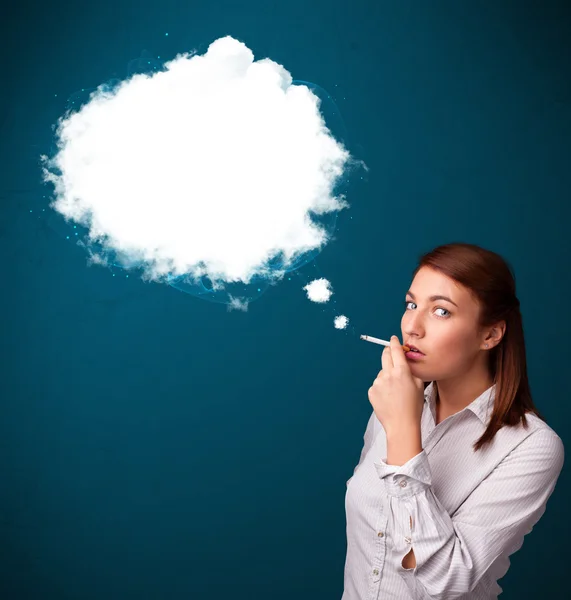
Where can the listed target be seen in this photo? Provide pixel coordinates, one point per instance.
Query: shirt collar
(482, 406)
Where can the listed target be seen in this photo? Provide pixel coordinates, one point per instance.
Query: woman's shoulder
(536, 436)
(538, 425)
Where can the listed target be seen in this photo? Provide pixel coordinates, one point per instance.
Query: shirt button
(380, 534)
(408, 540)
(402, 483)
(375, 571)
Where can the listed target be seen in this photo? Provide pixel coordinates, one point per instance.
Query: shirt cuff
(405, 480)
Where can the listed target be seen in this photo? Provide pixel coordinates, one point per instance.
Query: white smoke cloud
(210, 167)
(341, 322)
(237, 304)
(319, 290)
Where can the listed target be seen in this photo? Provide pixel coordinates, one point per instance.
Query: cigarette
(370, 338)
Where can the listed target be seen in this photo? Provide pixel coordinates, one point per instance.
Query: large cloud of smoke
(213, 167)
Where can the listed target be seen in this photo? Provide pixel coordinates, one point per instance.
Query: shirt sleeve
(368, 439)
(453, 553)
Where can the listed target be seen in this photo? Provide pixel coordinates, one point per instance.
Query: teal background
(154, 445)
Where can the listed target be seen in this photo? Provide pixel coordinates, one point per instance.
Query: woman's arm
(447, 556)
(368, 439)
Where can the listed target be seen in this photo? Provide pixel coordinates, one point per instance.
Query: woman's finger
(386, 359)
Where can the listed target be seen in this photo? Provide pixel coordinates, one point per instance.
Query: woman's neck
(453, 395)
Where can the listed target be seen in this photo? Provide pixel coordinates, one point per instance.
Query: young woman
(457, 464)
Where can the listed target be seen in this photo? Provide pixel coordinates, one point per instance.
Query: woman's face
(445, 331)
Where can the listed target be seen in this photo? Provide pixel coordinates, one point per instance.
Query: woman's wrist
(403, 443)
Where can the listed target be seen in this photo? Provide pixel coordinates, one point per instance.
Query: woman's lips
(414, 355)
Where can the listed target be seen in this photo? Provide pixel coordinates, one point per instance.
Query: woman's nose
(413, 326)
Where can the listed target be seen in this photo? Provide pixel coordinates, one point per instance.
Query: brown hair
(491, 280)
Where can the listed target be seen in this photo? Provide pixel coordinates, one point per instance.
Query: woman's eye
(407, 302)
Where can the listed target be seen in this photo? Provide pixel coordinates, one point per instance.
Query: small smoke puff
(211, 167)
(341, 322)
(319, 290)
(237, 304)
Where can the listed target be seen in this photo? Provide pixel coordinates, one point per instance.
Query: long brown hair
(491, 280)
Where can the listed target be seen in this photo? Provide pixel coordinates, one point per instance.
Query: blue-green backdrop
(153, 445)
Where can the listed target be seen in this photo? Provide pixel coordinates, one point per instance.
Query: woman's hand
(397, 396)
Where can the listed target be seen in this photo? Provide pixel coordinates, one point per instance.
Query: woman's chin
(419, 370)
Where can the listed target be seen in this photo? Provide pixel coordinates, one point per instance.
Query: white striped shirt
(462, 512)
